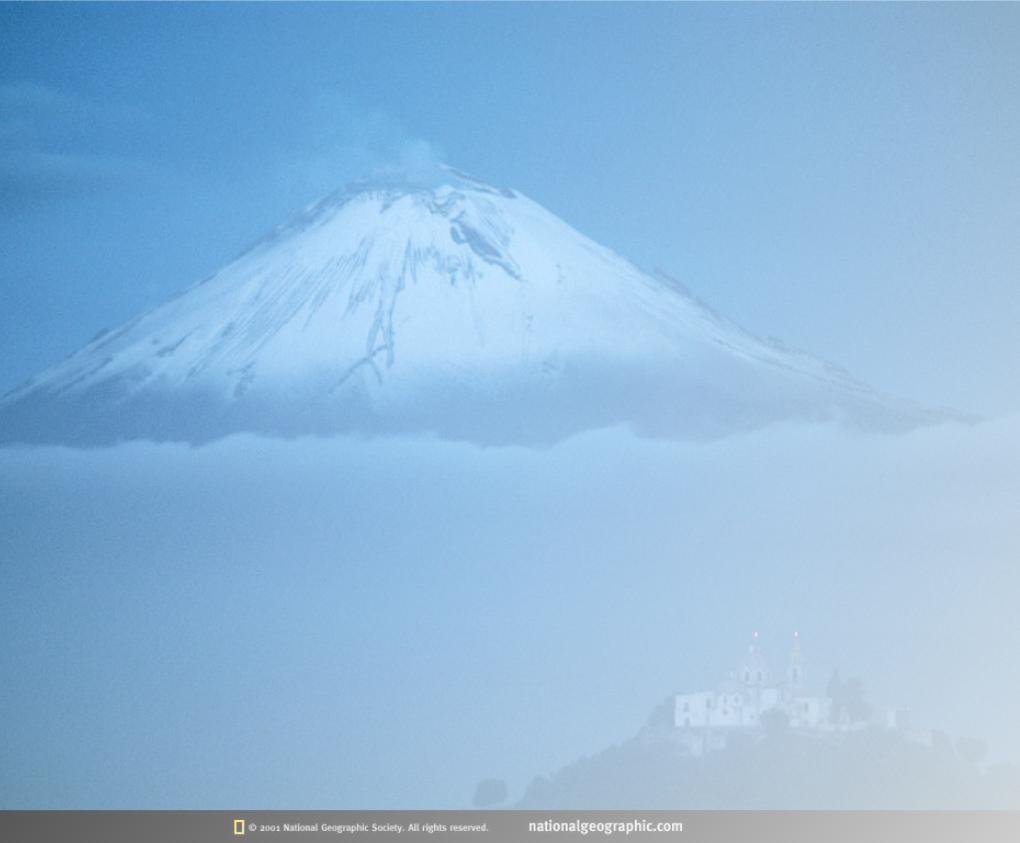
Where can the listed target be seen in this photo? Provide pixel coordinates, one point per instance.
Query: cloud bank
(385, 622)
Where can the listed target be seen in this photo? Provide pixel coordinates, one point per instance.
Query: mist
(383, 622)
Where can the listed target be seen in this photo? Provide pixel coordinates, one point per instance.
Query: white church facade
(704, 720)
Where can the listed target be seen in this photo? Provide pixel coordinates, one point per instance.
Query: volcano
(449, 308)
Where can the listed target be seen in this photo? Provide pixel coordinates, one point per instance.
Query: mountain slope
(453, 308)
(867, 770)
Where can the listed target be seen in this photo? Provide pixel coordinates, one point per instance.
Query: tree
(662, 715)
(971, 750)
(853, 699)
(489, 792)
(847, 697)
(775, 722)
(835, 693)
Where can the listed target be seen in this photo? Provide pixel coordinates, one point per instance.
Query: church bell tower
(795, 672)
(754, 673)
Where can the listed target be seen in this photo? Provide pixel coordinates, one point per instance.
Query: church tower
(795, 672)
(754, 673)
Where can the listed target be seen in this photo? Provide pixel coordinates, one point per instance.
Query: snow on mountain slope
(455, 308)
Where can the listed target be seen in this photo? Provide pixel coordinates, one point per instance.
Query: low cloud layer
(385, 622)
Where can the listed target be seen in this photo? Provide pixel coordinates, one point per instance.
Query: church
(705, 719)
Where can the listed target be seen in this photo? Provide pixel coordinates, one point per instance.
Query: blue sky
(845, 177)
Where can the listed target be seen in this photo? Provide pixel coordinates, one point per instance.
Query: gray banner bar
(498, 826)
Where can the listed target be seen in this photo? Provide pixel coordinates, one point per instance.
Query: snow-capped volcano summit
(453, 308)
